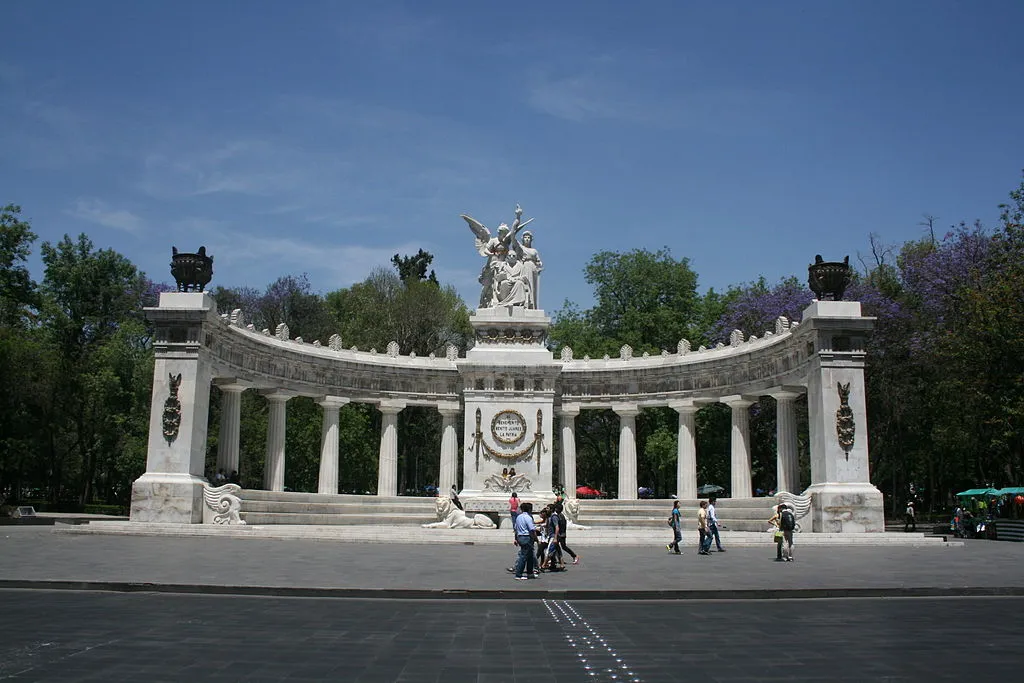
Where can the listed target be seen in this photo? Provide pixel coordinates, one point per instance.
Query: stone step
(354, 519)
(383, 533)
(339, 498)
(333, 508)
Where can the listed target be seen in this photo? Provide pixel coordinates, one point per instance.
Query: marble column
(387, 467)
(230, 422)
(686, 453)
(328, 481)
(448, 471)
(787, 465)
(740, 444)
(627, 450)
(273, 468)
(568, 443)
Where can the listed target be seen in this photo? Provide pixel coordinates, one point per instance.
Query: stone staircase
(316, 509)
(736, 514)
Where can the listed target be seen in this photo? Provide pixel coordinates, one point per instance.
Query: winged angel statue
(510, 276)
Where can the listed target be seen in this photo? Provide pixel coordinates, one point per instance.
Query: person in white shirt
(713, 523)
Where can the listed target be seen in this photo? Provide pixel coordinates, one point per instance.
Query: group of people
(707, 526)
(782, 521)
(540, 545)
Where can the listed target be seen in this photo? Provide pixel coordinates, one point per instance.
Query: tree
(17, 290)
(92, 317)
(414, 268)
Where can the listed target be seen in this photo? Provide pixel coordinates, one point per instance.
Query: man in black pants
(562, 528)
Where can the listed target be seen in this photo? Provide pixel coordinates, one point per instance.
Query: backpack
(787, 522)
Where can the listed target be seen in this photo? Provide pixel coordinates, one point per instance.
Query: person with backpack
(675, 520)
(773, 526)
(787, 523)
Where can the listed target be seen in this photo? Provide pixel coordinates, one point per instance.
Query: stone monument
(508, 376)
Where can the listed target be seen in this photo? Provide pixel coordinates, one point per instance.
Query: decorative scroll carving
(224, 502)
(566, 353)
(317, 344)
(845, 427)
(172, 410)
(517, 484)
(392, 349)
(781, 324)
(451, 517)
(451, 352)
(510, 335)
(735, 338)
(282, 332)
(238, 318)
(334, 342)
(683, 347)
(625, 352)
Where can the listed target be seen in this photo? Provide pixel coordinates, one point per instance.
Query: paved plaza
(122, 608)
(79, 637)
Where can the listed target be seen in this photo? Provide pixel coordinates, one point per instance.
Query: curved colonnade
(510, 370)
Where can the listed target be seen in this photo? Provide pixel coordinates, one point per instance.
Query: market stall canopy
(977, 492)
(1010, 491)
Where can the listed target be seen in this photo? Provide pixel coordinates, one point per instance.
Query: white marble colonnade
(788, 475)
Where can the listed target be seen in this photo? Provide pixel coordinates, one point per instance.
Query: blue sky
(323, 137)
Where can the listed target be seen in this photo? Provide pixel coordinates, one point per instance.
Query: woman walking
(563, 528)
(675, 520)
(513, 506)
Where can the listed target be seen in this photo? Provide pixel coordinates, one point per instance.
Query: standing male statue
(506, 281)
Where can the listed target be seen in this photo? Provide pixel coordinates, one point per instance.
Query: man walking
(526, 534)
(702, 529)
(713, 523)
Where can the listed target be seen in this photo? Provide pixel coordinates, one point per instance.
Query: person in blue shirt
(526, 534)
(676, 522)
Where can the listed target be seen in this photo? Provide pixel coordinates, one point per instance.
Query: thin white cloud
(98, 212)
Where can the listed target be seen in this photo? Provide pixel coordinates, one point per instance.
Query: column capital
(569, 410)
(231, 384)
(333, 401)
(277, 395)
(786, 392)
(738, 400)
(690, 405)
(391, 406)
(626, 409)
(449, 408)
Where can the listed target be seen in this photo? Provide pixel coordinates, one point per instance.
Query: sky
(325, 137)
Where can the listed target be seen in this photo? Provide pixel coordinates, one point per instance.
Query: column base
(846, 508)
(168, 498)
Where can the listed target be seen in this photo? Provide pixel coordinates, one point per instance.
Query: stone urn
(191, 272)
(829, 279)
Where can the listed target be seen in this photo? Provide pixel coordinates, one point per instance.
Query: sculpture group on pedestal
(511, 274)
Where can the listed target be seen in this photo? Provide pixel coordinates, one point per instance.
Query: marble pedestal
(846, 508)
(509, 377)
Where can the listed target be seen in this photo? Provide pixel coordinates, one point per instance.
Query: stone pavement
(93, 637)
(38, 557)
